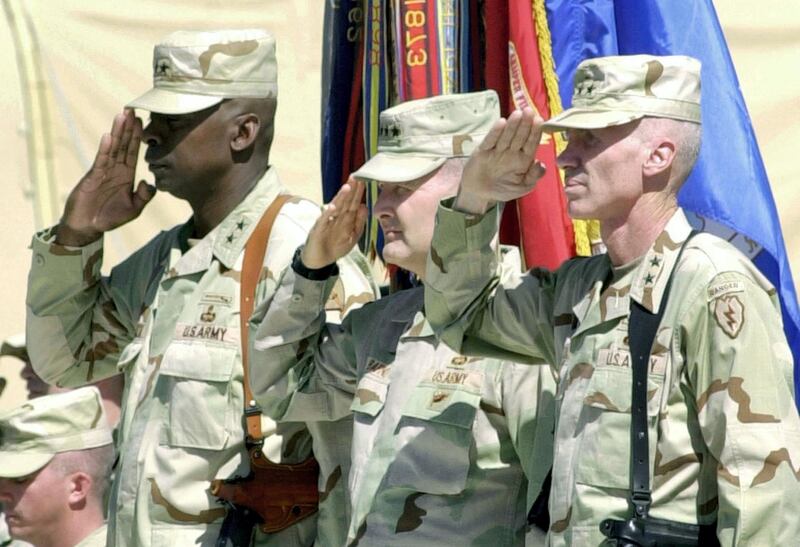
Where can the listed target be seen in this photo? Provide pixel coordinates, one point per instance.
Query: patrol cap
(613, 91)
(417, 137)
(32, 433)
(194, 70)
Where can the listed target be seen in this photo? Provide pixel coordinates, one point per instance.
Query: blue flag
(342, 33)
(729, 171)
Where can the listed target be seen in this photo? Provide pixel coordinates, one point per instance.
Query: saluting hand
(105, 198)
(338, 228)
(504, 166)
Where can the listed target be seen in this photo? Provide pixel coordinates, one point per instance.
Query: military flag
(729, 171)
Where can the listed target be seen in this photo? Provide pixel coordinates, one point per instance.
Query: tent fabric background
(97, 56)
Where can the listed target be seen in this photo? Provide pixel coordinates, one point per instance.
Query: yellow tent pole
(35, 99)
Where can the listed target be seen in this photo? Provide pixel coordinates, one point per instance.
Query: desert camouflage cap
(32, 433)
(417, 137)
(194, 70)
(616, 90)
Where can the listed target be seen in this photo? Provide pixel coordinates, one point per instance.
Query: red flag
(546, 233)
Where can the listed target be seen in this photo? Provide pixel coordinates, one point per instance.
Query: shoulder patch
(724, 287)
(729, 314)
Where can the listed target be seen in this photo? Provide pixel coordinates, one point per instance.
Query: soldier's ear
(660, 156)
(80, 485)
(246, 128)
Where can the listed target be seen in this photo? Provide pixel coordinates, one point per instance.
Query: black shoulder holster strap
(642, 328)
(641, 529)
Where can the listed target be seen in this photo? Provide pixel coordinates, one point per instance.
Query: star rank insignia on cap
(586, 88)
(390, 131)
(163, 67)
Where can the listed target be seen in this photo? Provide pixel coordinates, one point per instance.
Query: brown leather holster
(281, 494)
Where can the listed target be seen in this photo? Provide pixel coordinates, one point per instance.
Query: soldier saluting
(168, 317)
(715, 429)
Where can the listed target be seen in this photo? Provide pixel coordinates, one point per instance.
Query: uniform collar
(645, 284)
(227, 240)
(419, 328)
(652, 275)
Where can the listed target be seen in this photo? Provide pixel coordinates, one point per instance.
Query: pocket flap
(199, 362)
(610, 389)
(443, 405)
(370, 395)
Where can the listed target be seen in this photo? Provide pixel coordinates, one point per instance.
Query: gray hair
(686, 136)
(95, 462)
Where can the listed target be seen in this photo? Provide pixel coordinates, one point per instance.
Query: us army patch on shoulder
(728, 312)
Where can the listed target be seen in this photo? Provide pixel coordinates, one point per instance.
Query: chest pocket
(370, 397)
(435, 440)
(197, 382)
(604, 456)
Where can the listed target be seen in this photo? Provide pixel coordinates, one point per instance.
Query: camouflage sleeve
(479, 305)
(302, 366)
(529, 406)
(740, 369)
(76, 325)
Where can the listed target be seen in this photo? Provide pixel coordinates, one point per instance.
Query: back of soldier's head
(55, 459)
(32, 434)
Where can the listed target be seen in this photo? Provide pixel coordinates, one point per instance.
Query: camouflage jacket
(95, 539)
(441, 442)
(168, 318)
(724, 432)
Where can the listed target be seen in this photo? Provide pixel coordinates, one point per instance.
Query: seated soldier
(56, 455)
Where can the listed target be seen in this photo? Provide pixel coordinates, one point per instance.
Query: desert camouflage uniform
(167, 318)
(95, 539)
(441, 442)
(724, 431)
